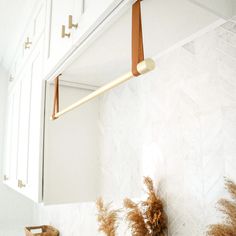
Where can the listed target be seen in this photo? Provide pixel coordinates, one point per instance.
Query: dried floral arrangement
(147, 218)
(107, 218)
(228, 208)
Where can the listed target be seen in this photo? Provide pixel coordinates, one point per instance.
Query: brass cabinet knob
(71, 24)
(21, 184)
(63, 32)
(27, 43)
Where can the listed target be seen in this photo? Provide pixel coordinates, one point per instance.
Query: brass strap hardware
(137, 37)
(27, 43)
(63, 32)
(56, 98)
(21, 184)
(71, 25)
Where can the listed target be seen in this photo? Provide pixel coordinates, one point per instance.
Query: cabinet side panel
(71, 152)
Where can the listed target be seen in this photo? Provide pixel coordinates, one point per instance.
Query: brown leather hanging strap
(56, 97)
(137, 37)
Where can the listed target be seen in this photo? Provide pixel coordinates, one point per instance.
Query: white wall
(15, 210)
(176, 124)
(179, 123)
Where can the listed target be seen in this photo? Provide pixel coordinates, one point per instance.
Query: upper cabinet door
(92, 14)
(29, 153)
(14, 133)
(79, 18)
(32, 34)
(8, 138)
(35, 143)
(75, 20)
(22, 163)
(39, 22)
(35, 29)
(59, 33)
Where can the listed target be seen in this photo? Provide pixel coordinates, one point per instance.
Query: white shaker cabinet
(30, 38)
(59, 38)
(69, 24)
(22, 169)
(92, 14)
(66, 23)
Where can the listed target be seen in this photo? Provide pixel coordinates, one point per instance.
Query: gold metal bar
(63, 32)
(71, 24)
(143, 67)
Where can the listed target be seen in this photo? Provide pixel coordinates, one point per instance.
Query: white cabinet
(70, 23)
(23, 143)
(22, 157)
(60, 39)
(24, 149)
(35, 144)
(23, 137)
(34, 163)
(30, 37)
(11, 137)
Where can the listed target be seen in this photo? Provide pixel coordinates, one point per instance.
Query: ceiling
(13, 18)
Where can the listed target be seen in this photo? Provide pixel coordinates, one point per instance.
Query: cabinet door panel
(58, 46)
(90, 14)
(8, 138)
(39, 22)
(15, 132)
(77, 14)
(35, 144)
(95, 11)
(22, 164)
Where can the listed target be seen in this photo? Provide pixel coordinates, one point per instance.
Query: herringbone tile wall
(177, 125)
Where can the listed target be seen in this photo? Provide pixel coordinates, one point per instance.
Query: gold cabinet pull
(21, 184)
(71, 25)
(63, 32)
(27, 43)
(5, 177)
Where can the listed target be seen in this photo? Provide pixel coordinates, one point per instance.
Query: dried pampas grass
(228, 208)
(154, 215)
(147, 218)
(107, 218)
(135, 219)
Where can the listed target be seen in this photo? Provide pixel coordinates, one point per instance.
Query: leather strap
(56, 97)
(137, 37)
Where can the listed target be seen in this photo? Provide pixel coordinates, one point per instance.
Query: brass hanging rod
(143, 67)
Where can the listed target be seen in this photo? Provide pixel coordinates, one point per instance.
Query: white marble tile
(176, 124)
